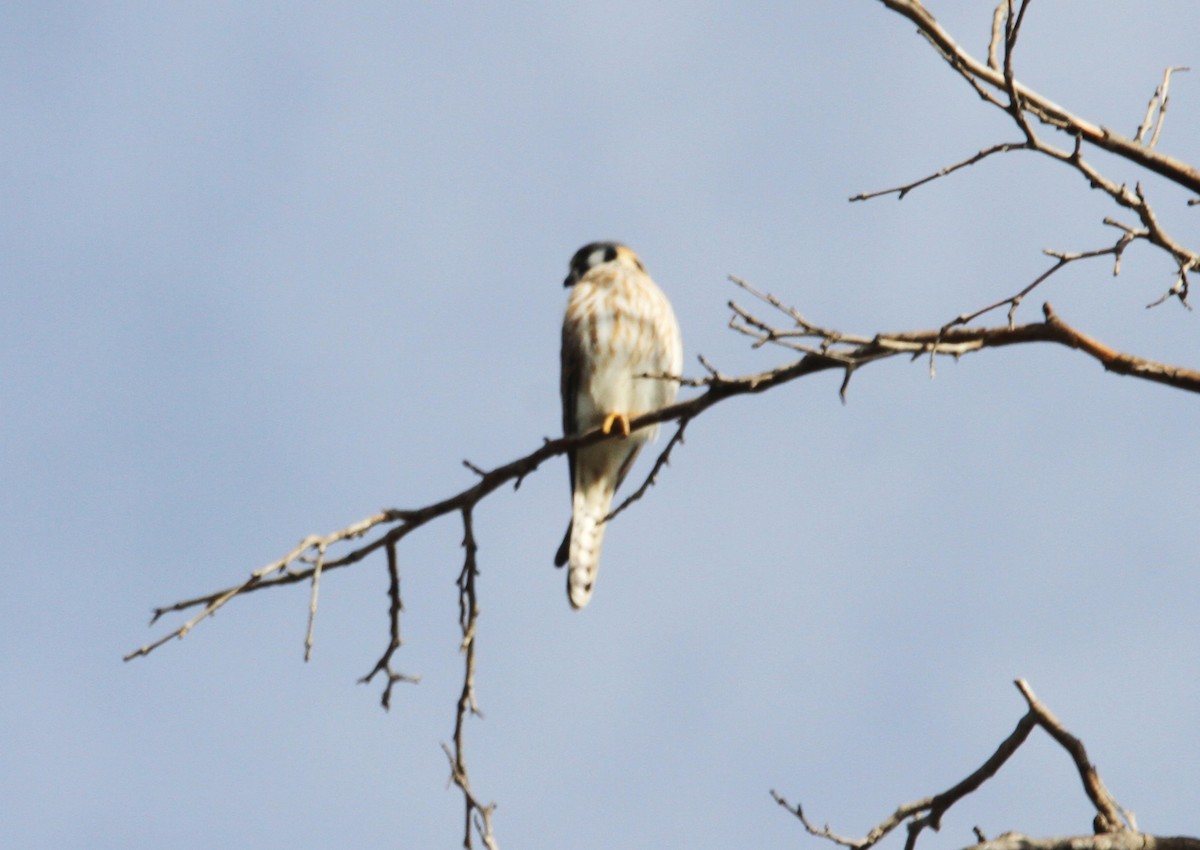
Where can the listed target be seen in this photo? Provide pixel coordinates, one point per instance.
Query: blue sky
(270, 267)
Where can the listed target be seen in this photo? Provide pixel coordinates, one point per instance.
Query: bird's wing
(572, 363)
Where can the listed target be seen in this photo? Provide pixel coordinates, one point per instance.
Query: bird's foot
(616, 419)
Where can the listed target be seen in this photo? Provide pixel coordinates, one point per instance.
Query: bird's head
(596, 254)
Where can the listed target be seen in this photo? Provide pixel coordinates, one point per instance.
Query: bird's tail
(587, 534)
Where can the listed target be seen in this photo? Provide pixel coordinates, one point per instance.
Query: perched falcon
(618, 326)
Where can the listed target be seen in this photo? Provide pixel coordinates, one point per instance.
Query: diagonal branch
(1108, 819)
(1044, 109)
(663, 459)
(834, 349)
(1156, 109)
(997, 84)
(1115, 828)
(928, 811)
(901, 191)
(829, 349)
(1062, 258)
(318, 565)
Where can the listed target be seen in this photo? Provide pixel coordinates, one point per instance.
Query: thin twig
(395, 607)
(797, 811)
(999, 16)
(477, 815)
(997, 75)
(1156, 109)
(1046, 110)
(901, 191)
(663, 459)
(1062, 259)
(312, 602)
(1016, 107)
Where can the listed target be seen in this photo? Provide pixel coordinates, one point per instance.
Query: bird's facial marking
(602, 254)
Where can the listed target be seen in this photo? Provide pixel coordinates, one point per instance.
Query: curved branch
(1108, 813)
(1043, 108)
(996, 83)
(1115, 828)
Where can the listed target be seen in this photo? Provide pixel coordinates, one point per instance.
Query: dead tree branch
(1043, 109)
(396, 606)
(1108, 841)
(1114, 827)
(823, 349)
(476, 813)
(1156, 109)
(835, 349)
(996, 83)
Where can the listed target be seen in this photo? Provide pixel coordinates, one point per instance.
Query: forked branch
(1113, 827)
(996, 83)
(1042, 108)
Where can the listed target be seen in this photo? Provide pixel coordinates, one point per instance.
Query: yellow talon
(615, 418)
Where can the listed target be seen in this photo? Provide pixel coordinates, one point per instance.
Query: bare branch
(318, 565)
(1116, 828)
(1016, 107)
(836, 349)
(998, 76)
(395, 607)
(927, 811)
(477, 814)
(824, 831)
(664, 458)
(1062, 259)
(1118, 363)
(1044, 109)
(1156, 109)
(1106, 806)
(1104, 841)
(830, 350)
(999, 17)
(901, 191)
(215, 601)
(1179, 289)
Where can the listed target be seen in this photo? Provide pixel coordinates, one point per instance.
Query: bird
(618, 328)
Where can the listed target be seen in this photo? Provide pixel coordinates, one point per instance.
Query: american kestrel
(618, 326)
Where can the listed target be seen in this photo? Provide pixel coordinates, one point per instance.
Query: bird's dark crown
(595, 253)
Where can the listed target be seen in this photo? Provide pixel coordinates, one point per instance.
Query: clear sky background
(268, 267)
